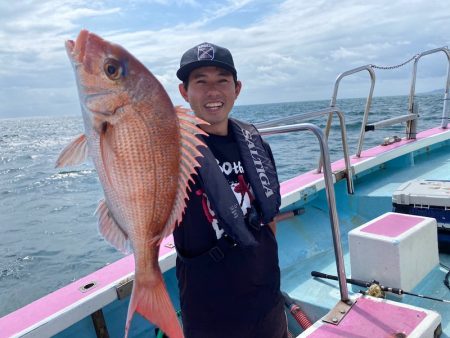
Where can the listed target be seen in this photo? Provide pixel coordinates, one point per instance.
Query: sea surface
(48, 233)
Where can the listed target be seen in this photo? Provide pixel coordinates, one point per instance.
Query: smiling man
(227, 264)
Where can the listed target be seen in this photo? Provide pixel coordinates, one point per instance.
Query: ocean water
(48, 231)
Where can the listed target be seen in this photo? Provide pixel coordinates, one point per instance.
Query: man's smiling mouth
(214, 105)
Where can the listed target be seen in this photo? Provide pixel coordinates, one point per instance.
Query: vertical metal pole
(446, 109)
(350, 187)
(411, 125)
(99, 324)
(362, 133)
(411, 105)
(412, 89)
(331, 198)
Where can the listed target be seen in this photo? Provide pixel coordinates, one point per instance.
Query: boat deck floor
(312, 249)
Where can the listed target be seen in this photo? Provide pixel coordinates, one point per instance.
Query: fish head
(107, 77)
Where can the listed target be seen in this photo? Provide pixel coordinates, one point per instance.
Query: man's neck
(220, 129)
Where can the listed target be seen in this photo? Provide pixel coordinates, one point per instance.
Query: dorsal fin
(188, 163)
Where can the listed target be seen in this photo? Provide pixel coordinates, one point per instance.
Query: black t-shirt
(199, 213)
(244, 286)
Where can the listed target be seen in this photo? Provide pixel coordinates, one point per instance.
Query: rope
(396, 66)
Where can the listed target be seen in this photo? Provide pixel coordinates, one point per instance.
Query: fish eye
(113, 69)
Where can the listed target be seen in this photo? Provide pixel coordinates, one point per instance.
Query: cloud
(284, 51)
(38, 31)
(192, 3)
(220, 10)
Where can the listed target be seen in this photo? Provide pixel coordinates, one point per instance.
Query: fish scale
(130, 174)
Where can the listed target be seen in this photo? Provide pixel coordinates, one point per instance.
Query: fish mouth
(76, 50)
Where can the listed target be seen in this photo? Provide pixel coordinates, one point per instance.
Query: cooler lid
(423, 193)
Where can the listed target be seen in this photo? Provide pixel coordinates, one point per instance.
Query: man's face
(211, 94)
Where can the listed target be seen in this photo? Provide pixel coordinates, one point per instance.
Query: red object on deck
(300, 316)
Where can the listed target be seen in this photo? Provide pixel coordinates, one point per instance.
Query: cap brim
(184, 71)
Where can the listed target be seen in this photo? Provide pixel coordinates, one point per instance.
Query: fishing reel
(374, 290)
(377, 288)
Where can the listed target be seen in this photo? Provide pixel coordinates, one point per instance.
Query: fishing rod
(362, 283)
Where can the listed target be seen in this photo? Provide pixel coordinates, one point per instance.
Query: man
(227, 264)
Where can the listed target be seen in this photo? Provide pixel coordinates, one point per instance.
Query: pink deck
(299, 181)
(42, 308)
(46, 306)
(392, 225)
(369, 318)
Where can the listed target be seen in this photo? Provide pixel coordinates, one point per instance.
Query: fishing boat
(363, 241)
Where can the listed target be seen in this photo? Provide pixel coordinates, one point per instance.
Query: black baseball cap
(203, 55)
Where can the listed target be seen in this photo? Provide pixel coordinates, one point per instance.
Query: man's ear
(183, 92)
(238, 88)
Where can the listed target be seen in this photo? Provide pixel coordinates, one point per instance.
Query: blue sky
(284, 50)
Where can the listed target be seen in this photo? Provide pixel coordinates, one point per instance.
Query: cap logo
(205, 52)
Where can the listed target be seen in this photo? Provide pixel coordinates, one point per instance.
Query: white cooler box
(395, 249)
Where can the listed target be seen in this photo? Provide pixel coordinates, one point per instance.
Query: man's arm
(273, 226)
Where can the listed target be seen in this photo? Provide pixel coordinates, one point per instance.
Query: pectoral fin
(110, 230)
(74, 153)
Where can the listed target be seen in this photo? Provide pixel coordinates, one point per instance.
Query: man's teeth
(214, 105)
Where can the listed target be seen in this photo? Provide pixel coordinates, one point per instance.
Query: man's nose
(213, 90)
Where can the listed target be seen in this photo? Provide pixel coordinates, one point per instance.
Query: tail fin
(153, 302)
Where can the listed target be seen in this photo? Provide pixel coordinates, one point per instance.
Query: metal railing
(446, 108)
(284, 125)
(411, 117)
(310, 115)
(368, 101)
(329, 188)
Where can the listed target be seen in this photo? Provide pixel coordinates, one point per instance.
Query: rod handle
(348, 280)
(397, 291)
(323, 275)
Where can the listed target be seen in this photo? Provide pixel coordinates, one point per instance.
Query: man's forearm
(273, 227)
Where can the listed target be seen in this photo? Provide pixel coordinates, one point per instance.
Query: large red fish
(144, 151)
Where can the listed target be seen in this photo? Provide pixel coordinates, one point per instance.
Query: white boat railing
(446, 108)
(411, 117)
(329, 188)
(368, 101)
(289, 120)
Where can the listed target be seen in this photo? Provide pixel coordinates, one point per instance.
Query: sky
(284, 51)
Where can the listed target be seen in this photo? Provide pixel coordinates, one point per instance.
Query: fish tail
(152, 301)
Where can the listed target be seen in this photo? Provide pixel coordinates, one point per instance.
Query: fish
(145, 152)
